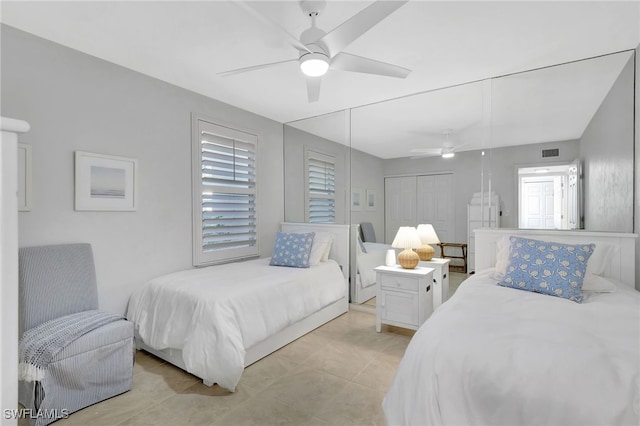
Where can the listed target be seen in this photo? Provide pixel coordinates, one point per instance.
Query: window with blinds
(321, 188)
(225, 193)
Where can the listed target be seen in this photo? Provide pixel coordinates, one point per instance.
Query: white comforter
(213, 314)
(495, 355)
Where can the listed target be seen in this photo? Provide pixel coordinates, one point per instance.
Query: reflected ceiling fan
(319, 51)
(447, 150)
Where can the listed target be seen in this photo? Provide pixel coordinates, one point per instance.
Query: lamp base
(408, 259)
(426, 252)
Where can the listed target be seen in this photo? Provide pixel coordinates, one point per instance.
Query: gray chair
(56, 281)
(368, 233)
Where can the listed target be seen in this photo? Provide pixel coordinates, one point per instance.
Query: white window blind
(225, 194)
(321, 189)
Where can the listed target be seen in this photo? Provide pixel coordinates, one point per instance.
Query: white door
(435, 204)
(399, 204)
(539, 205)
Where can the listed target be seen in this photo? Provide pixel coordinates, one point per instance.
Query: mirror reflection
(551, 147)
(316, 165)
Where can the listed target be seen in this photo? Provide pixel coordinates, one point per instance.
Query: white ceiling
(444, 43)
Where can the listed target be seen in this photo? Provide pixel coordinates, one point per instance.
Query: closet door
(435, 205)
(399, 204)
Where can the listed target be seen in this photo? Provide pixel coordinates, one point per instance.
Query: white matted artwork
(25, 187)
(357, 199)
(105, 182)
(370, 200)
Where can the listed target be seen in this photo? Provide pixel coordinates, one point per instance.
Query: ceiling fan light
(314, 64)
(448, 154)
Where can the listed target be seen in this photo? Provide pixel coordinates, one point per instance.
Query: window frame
(224, 131)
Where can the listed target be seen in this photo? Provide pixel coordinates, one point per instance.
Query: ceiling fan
(446, 151)
(319, 51)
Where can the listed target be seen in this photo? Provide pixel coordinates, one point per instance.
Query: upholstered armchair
(90, 353)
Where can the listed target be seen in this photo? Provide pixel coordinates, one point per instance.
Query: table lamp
(407, 238)
(427, 236)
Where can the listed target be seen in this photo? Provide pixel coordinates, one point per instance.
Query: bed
(214, 321)
(499, 355)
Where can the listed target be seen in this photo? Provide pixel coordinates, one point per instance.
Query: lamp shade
(407, 238)
(427, 234)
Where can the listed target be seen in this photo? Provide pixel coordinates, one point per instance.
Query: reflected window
(321, 187)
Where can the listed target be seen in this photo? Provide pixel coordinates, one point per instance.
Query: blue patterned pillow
(292, 250)
(546, 267)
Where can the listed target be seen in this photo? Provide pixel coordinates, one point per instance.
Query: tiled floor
(335, 375)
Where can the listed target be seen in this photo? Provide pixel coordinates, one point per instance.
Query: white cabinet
(440, 279)
(482, 212)
(405, 296)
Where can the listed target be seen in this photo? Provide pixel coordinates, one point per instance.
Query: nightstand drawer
(398, 283)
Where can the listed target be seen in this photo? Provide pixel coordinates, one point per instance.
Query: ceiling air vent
(550, 152)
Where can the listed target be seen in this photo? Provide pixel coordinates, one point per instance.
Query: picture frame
(357, 199)
(105, 182)
(25, 180)
(370, 200)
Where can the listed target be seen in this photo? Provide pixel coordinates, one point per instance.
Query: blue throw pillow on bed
(546, 267)
(292, 250)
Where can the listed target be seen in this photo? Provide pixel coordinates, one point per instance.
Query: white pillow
(320, 248)
(502, 255)
(600, 258)
(597, 284)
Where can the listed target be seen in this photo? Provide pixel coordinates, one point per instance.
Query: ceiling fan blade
(313, 88)
(426, 150)
(344, 34)
(415, 157)
(348, 62)
(267, 21)
(253, 68)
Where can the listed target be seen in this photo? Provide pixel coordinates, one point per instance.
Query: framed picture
(357, 199)
(370, 201)
(25, 187)
(105, 182)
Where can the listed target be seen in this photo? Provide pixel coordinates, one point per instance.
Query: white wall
(636, 221)
(607, 158)
(78, 102)
(366, 173)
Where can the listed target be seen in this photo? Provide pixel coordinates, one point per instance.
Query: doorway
(548, 196)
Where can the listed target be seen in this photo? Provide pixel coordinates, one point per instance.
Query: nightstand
(440, 279)
(405, 296)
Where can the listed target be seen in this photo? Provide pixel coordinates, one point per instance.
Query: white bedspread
(500, 356)
(213, 314)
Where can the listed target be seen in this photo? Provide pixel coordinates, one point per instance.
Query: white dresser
(440, 279)
(405, 296)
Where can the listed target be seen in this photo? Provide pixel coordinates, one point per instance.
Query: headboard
(621, 267)
(340, 247)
